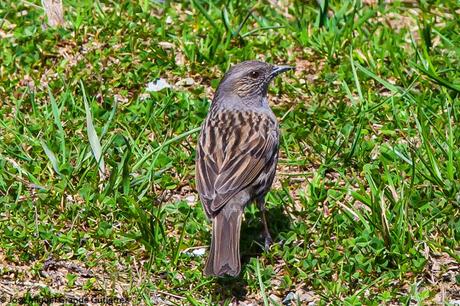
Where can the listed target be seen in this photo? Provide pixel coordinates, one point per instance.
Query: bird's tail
(224, 255)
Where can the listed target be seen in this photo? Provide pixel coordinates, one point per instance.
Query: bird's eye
(254, 74)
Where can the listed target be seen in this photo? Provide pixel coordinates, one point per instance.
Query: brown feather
(221, 174)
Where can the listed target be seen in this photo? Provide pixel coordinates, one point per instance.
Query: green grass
(97, 192)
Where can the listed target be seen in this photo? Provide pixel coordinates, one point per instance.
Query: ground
(99, 117)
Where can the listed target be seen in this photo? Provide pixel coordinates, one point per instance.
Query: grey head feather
(247, 84)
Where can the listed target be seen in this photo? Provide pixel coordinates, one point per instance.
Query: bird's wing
(234, 148)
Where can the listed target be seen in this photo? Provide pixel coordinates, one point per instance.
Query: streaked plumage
(236, 158)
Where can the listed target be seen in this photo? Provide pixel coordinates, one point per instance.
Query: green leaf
(51, 157)
(92, 136)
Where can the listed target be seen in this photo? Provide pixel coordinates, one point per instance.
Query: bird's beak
(280, 69)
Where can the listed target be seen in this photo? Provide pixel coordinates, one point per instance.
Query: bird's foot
(268, 242)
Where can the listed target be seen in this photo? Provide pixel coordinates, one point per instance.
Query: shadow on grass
(230, 288)
(252, 238)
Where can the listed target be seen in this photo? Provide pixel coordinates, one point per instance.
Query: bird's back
(238, 150)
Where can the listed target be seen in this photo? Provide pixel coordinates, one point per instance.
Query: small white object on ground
(199, 252)
(195, 251)
(157, 85)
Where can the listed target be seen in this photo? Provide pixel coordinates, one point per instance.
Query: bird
(236, 158)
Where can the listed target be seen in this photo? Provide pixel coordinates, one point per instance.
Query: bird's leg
(267, 236)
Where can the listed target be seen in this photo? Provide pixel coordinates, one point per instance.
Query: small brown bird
(236, 159)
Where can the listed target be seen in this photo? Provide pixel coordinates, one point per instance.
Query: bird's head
(249, 80)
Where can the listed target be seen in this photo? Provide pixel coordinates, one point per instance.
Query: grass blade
(57, 122)
(226, 21)
(385, 83)
(450, 141)
(92, 136)
(240, 27)
(437, 79)
(112, 114)
(167, 142)
(261, 283)
(204, 12)
(181, 238)
(55, 109)
(261, 29)
(51, 157)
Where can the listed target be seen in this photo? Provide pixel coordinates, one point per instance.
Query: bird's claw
(268, 242)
